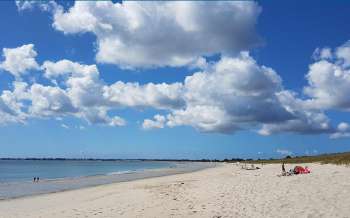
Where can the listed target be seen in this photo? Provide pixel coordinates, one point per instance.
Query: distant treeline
(335, 158)
(112, 159)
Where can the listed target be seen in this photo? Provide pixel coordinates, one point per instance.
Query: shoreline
(23, 189)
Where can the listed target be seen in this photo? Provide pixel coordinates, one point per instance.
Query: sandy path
(224, 191)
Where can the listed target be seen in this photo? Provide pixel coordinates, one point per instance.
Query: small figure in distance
(283, 169)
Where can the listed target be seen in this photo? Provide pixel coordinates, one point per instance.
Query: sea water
(16, 176)
(26, 170)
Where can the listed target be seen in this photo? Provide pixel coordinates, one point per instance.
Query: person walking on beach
(283, 169)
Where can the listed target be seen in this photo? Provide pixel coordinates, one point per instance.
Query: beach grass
(338, 159)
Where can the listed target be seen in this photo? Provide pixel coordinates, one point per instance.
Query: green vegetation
(338, 159)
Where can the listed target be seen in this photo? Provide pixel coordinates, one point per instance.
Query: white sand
(224, 191)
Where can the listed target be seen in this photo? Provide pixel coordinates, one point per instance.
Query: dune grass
(338, 159)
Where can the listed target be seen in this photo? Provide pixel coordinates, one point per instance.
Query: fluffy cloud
(329, 80)
(161, 96)
(157, 123)
(84, 86)
(49, 100)
(152, 34)
(53, 101)
(20, 60)
(9, 111)
(86, 90)
(322, 53)
(98, 115)
(248, 96)
(82, 82)
(343, 130)
(43, 5)
(204, 118)
(10, 106)
(79, 94)
(65, 68)
(343, 54)
(231, 94)
(305, 121)
(82, 92)
(234, 93)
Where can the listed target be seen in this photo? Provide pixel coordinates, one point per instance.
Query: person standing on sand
(283, 169)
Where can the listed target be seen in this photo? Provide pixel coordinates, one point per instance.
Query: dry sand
(223, 191)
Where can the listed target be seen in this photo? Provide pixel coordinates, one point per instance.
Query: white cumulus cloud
(23, 5)
(231, 94)
(161, 96)
(343, 131)
(50, 100)
(305, 121)
(329, 81)
(152, 34)
(157, 122)
(20, 60)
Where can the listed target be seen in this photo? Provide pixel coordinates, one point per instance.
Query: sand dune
(223, 191)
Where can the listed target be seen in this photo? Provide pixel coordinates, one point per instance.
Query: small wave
(121, 172)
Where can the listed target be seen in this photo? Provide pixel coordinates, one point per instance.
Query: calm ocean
(25, 170)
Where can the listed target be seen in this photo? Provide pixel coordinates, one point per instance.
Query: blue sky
(288, 33)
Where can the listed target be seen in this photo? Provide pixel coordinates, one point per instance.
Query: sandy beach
(223, 191)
